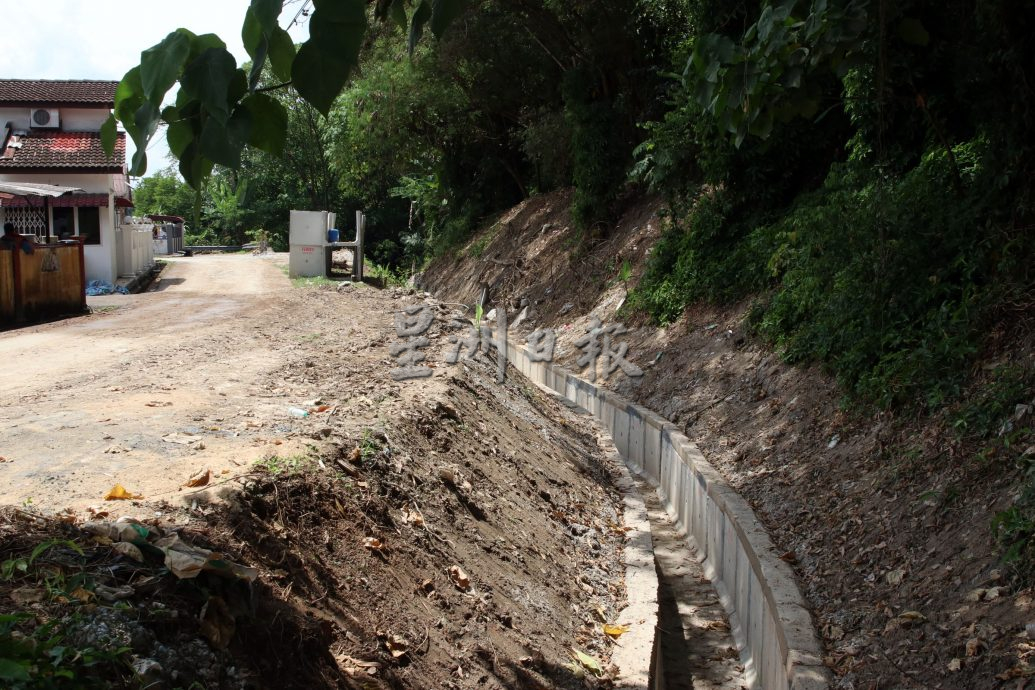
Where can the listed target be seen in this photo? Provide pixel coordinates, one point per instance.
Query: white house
(51, 134)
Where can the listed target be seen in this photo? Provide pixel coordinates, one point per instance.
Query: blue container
(332, 235)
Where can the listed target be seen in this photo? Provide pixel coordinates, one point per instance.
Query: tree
(221, 108)
(164, 193)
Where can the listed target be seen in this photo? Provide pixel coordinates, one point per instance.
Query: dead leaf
(113, 594)
(614, 631)
(129, 551)
(320, 408)
(954, 665)
(397, 645)
(373, 543)
(588, 662)
(974, 646)
(23, 596)
(181, 439)
(357, 454)
(199, 478)
(217, 623)
(352, 666)
(412, 517)
(912, 617)
(1019, 671)
(459, 578)
(894, 577)
(119, 493)
(83, 595)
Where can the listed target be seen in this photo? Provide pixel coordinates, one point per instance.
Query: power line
(301, 11)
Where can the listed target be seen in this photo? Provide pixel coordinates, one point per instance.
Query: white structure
(135, 243)
(50, 133)
(312, 248)
(307, 238)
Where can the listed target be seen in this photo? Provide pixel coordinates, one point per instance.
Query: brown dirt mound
(472, 543)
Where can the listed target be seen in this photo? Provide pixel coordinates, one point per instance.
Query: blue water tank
(332, 235)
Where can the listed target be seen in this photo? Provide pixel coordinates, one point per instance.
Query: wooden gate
(49, 282)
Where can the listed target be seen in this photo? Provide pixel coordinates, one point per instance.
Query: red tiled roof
(62, 150)
(82, 92)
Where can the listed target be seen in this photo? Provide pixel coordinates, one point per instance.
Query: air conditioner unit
(44, 117)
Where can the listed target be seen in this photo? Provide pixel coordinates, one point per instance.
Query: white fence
(135, 251)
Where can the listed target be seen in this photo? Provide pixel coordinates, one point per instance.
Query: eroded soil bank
(886, 519)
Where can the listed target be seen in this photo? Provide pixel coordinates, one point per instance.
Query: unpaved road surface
(152, 387)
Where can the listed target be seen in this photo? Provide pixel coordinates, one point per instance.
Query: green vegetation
(36, 655)
(286, 465)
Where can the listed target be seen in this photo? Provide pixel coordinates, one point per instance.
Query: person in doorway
(12, 240)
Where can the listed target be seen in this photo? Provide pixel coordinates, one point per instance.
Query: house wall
(70, 119)
(100, 258)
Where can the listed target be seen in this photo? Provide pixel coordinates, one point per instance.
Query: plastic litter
(100, 287)
(297, 412)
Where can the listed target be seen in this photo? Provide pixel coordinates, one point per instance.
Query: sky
(102, 39)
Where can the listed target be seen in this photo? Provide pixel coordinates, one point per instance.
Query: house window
(90, 225)
(26, 220)
(64, 222)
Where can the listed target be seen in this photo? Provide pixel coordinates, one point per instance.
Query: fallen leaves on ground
(199, 478)
(217, 623)
(181, 439)
(373, 543)
(119, 493)
(587, 662)
(459, 578)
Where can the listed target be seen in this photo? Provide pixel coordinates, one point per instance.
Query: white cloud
(102, 39)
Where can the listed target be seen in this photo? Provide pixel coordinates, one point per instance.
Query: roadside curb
(770, 622)
(634, 651)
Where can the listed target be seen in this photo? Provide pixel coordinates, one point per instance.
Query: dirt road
(152, 387)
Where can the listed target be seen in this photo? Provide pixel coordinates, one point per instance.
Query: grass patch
(286, 465)
(314, 281)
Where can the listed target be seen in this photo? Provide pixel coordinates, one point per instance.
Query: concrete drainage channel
(770, 624)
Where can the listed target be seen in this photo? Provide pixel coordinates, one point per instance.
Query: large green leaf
(129, 94)
(138, 165)
(199, 44)
(324, 62)
(266, 12)
(282, 53)
(269, 123)
(443, 12)
(146, 118)
(208, 79)
(253, 36)
(109, 134)
(420, 17)
(160, 65)
(223, 143)
(394, 9)
(194, 167)
(397, 11)
(179, 135)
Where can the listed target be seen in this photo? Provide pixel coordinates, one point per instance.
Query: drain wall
(770, 623)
